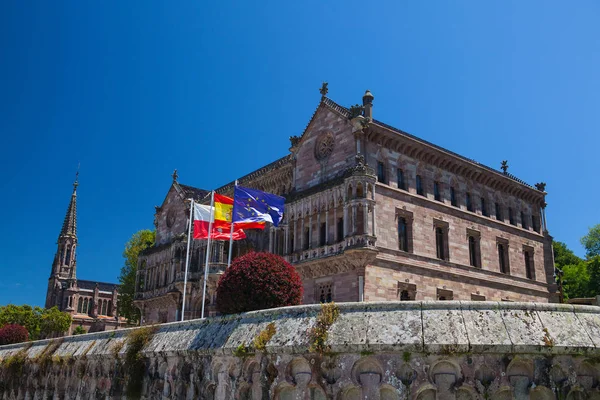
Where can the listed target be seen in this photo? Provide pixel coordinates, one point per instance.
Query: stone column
(354, 219)
(335, 230)
(302, 233)
(286, 239)
(310, 231)
(327, 225)
(365, 217)
(295, 236)
(319, 227)
(345, 220)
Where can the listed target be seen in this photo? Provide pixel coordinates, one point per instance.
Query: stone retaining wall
(395, 350)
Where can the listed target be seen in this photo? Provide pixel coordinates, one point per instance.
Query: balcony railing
(355, 241)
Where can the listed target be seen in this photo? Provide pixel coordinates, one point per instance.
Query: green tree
(39, 322)
(563, 255)
(591, 242)
(79, 330)
(54, 322)
(576, 280)
(593, 267)
(139, 241)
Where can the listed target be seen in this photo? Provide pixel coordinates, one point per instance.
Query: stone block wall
(395, 350)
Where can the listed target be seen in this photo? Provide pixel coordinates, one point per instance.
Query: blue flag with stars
(251, 206)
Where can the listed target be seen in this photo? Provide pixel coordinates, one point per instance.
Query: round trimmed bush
(13, 333)
(257, 281)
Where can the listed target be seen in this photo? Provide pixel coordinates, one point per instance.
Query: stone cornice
(421, 150)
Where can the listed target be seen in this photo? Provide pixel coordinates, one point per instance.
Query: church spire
(65, 260)
(69, 227)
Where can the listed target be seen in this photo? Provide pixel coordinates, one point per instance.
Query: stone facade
(92, 305)
(372, 213)
(390, 351)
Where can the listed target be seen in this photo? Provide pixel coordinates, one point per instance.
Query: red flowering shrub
(13, 333)
(257, 281)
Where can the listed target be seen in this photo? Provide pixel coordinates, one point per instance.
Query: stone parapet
(387, 350)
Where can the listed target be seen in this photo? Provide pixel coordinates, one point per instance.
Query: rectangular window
(524, 222)
(322, 234)
(445, 294)
(477, 297)
(453, 197)
(469, 203)
(474, 248)
(484, 210)
(402, 234)
(441, 240)
(503, 257)
(407, 291)
(381, 173)
(499, 212)
(400, 177)
(419, 185)
(325, 292)
(529, 265)
(536, 223)
(340, 229)
(306, 238)
(436, 191)
(511, 216)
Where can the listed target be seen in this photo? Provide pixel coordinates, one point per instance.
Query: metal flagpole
(187, 259)
(212, 216)
(231, 233)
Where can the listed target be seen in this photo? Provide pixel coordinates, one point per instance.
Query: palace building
(92, 305)
(372, 213)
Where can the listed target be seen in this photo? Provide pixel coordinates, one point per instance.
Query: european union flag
(253, 208)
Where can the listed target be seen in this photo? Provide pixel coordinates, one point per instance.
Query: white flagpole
(187, 259)
(212, 216)
(231, 233)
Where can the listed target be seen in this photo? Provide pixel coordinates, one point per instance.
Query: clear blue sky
(132, 90)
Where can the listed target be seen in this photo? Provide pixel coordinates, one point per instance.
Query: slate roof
(91, 285)
(192, 192)
(346, 112)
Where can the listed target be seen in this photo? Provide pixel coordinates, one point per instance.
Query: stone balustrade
(396, 350)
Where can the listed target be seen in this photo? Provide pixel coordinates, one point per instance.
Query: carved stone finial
(324, 90)
(294, 140)
(76, 183)
(356, 110)
(504, 166)
(175, 175)
(360, 160)
(541, 186)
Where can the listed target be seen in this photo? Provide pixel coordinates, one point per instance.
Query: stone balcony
(354, 242)
(214, 268)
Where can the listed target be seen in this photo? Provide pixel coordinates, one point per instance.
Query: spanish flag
(221, 227)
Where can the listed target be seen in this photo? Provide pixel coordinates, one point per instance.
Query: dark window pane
(436, 191)
(498, 212)
(404, 296)
(484, 211)
(439, 243)
(472, 251)
(528, 266)
(419, 185)
(453, 197)
(400, 175)
(381, 172)
(469, 203)
(524, 223)
(511, 216)
(402, 234)
(340, 229)
(322, 235)
(502, 258)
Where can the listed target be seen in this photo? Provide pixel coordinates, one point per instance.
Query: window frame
(419, 185)
(502, 247)
(437, 196)
(475, 252)
(381, 173)
(407, 216)
(441, 230)
(453, 201)
(529, 261)
(400, 179)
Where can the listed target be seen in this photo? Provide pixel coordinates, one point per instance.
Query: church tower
(63, 275)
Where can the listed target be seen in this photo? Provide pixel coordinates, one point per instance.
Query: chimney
(368, 104)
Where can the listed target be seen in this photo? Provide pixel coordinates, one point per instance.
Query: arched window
(350, 196)
(359, 191)
(79, 305)
(469, 202)
(453, 197)
(68, 257)
(104, 306)
(90, 306)
(109, 307)
(85, 306)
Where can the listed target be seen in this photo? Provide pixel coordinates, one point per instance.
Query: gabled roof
(190, 192)
(91, 285)
(346, 112)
